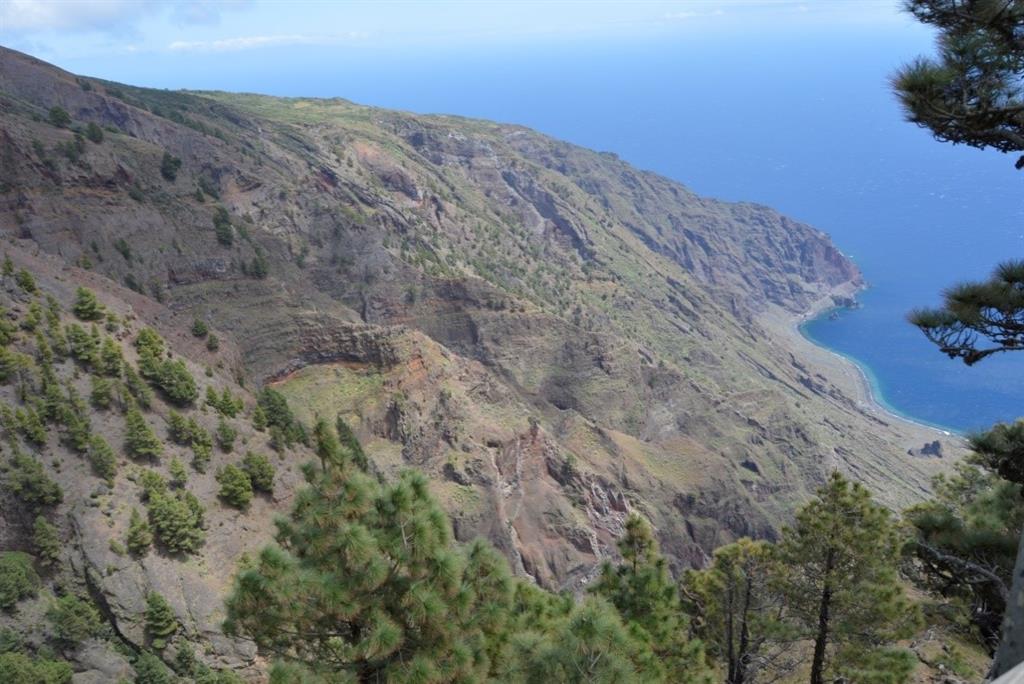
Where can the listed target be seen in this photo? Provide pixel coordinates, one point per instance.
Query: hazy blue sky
(190, 43)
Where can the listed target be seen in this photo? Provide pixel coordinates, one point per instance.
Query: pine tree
(328, 449)
(971, 93)
(226, 434)
(966, 543)
(161, 623)
(644, 593)
(74, 620)
(199, 328)
(174, 378)
(259, 419)
(26, 282)
(102, 395)
(102, 458)
(18, 667)
(86, 306)
(26, 479)
(46, 540)
(169, 165)
(260, 471)
(151, 483)
(111, 360)
(18, 579)
(177, 521)
(589, 643)
(235, 487)
(347, 438)
(140, 538)
(139, 439)
(837, 574)
(151, 352)
(150, 670)
(222, 227)
(179, 476)
(366, 584)
(212, 399)
(138, 389)
(736, 610)
(202, 452)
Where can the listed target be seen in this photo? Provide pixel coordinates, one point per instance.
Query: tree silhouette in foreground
(972, 92)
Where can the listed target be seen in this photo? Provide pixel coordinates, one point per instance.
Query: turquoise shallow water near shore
(871, 380)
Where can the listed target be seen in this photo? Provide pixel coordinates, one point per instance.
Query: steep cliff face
(554, 336)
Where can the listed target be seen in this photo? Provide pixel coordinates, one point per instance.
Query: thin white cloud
(107, 16)
(684, 14)
(254, 42)
(84, 15)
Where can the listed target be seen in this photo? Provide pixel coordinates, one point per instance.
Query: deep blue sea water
(800, 120)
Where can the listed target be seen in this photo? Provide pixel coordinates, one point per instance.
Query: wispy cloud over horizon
(254, 42)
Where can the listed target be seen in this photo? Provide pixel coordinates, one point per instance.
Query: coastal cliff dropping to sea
(552, 336)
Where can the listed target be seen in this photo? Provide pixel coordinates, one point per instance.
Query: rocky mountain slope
(552, 335)
(76, 471)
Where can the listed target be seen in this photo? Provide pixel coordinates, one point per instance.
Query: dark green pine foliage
(177, 383)
(581, 644)
(177, 520)
(161, 623)
(260, 471)
(86, 306)
(235, 486)
(199, 328)
(94, 133)
(279, 417)
(179, 476)
(84, 347)
(74, 619)
(102, 394)
(138, 390)
(645, 595)
(971, 93)
(18, 667)
(24, 477)
(837, 574)
(18, 579)
(46, 540)
(366, 585)
(102, 458)
(169, 165)
(736, 611)
(173, 377)
(222, 227)
(26, 282)
(965, 544)
(259, 419)
(151, 670)
(349, 441)
(139, 439)
(140, 537)
(226, 435)
(7, 328)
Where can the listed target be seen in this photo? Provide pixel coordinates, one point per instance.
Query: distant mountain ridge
(552, 335)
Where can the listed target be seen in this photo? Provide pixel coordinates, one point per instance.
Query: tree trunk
(730, 637)
(740, 675)
(821, 638)
(1010, 652)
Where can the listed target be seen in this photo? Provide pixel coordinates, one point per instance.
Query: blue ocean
(802, 120)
